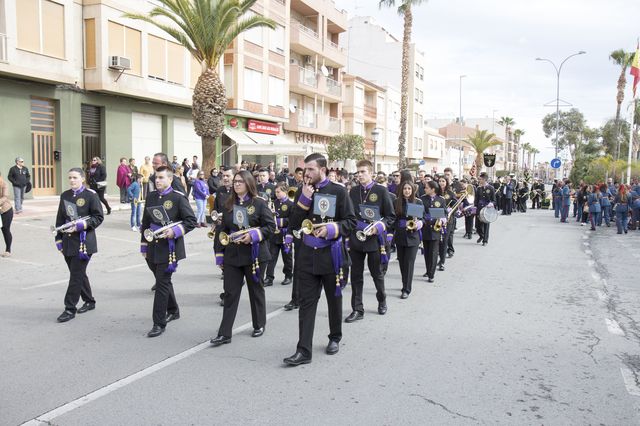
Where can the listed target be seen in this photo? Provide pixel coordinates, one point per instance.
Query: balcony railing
(333, 124)
(3, 47)
(308, 31)
(334, 87)
(306, 119)
(370, 111)
(308, 77)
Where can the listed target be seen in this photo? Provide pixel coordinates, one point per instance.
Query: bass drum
(488, 215)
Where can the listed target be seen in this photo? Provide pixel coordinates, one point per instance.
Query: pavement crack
(592, 346)
(444, 407)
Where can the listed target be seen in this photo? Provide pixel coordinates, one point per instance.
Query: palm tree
(404, 10)
(507, 122)
(623, 60)
(206, 28)
(480, 141)
(533, 150)
(517, 134)
(525, 148)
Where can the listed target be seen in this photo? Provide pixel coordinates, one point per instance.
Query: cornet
(366, 232)
(150, 235)
(412, 225)
(234, 237)
(307, 226)
(68, 225)
(291, 193)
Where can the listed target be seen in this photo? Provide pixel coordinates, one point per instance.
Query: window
(252, 85)
(254, 35)
(40, 27)
(166, 60)
(90, 43)
(276, 39)
(358, 128)
(419, 96)
(228, 80)
(359, 98)
(419, 72)
(276, 91)
(157, 57)
(127, 42)
(175, 63)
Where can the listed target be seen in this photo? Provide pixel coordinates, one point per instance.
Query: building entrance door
(43, 143)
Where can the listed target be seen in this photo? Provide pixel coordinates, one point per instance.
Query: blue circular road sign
(556, 163)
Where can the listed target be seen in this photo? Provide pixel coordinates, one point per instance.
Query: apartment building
(316, 62)
(376, 55)
(434, 151)
(78, 80)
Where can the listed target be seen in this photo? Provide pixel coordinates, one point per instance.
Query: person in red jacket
(123, 179)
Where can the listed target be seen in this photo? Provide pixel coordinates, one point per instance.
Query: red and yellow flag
(635, 69)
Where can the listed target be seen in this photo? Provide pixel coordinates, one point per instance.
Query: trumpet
(150, 235)
(234, 237)
(291, 192)
(437, 227)
(366, 232)
(412, 225)
(68, 225)
(215, 216)
(307, 226)
(297, 233)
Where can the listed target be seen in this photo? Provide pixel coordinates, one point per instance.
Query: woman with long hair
(595, 209)
(6, 214)
(430, 236)
(407, 240)
(179, 174)
(622, 208)
(200, 194)
(244, 258)
(80, 213)
(446, 245)
(98, 180)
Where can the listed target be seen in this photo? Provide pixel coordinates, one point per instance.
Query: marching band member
(245, 255)
(485, 196)
(430, 236)
(265, 189)
(328, 207)
(80, 208)
(450, 199)
(407, 240)
(468, 209)
(164, 207)
(277, 244)
(221, 196)
(369, 197)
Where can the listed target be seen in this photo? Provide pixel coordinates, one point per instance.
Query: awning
(239, 137)
(270, 144)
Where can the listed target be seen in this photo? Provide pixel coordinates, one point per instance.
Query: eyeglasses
(395, 175)
(238, 182)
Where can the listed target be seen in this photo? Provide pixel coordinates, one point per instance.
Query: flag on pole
(635, 69)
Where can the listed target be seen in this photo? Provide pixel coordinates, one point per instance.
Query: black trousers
(483, 230)
(100, 192)
(508, 205)
(310, 288)
(234, 278)
(357, 277)
(442, 248)
(295, 296)
(164, 299)
(7, 218)
(78, 283)
(287, 258)
(535, 203)
(431, 248)
(407, 261)
(454, 224)
(468, 224)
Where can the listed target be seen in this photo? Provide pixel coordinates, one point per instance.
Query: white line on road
(103, 391)
(596, 276)
(614, 327)
(25, 262)
(630, 381)
(586, 244)
(49, 284)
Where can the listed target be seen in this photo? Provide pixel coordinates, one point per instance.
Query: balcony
(303, 80)
(331, 88)
(370, 114)
(304, 40)
(3, 48)
(329, 125)
(335, 55)
(301, 121)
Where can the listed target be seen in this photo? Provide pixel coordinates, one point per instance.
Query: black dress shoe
(382, 308)
(153, 288)
(333, 347)
(404, 295)
(440, 267)
(479, 240)
(268, 282)
(484, 243)
(155, 331)
(87, 306)
(220, 340)
(425, 275)
(108, 210)
(173, 317)
(286, 281)
(290, 306)
(297, 359)
(430, 280)
(66, 316)
(449, 255)
(257, 332)
(354, 316)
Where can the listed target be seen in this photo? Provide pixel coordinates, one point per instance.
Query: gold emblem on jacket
(284, 207)
(80, 202)
(251, 209)
(436, 204)
(167, 204)
(373, 198)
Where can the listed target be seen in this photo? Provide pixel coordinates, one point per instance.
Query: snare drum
(488, 214)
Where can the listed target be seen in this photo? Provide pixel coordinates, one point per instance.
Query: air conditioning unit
(307, 60)
(119, 63)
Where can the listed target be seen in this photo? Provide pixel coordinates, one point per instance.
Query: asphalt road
(538, 327)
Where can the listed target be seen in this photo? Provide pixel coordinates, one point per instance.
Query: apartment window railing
(3, 47)
(282, 2)
(306, 119)
(334, 87)
(308, 31)
(308, 77)
(370, 111)
(333, 125)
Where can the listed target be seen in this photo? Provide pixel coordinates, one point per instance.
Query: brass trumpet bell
(307, 226)
(226, 239)
(412, 225)
(291, 193)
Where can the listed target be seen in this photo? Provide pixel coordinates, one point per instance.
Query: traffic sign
(556, 163)
(422, 162)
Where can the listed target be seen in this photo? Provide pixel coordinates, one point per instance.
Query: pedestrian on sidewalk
(6, 217)
(123, 179)
(134, 192)
(20, 178)
(595, 210)
(200, 194)
(98, 180)
(146, 170)
(621, 201)
(605, 204)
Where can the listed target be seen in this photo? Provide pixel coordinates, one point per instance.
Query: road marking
(126, 268)
(586, 244)
(630, 381)
(613, 327)
(591, 262)
(49, 284)
(46, 418)
(596, 276)
(585, 237)
(24, 262)
(602, 295)
(588, 252)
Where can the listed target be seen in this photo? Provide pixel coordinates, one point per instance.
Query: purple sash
(382, 237)
(173, 262)
(336, 256)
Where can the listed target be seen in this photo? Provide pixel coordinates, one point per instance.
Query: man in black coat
(485, 196)
(161, 159)
(19, 177)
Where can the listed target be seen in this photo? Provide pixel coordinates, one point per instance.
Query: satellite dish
(324, 71)
(292, 108)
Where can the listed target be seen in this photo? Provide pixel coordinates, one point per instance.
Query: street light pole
(558, 71)
(460, 134)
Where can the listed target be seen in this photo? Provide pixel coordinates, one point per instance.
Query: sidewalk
(47, 206)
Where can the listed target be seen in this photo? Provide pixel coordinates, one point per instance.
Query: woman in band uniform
(407, 241)
(77, 242)
(431, 237)
(446, 245)
(246, 258)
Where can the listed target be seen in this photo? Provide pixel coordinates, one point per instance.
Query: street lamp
(460, 135)
(375, 133)
(558, 70)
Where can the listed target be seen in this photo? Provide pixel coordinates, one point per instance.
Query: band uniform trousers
(310, 287)
(287, 258)
(468, 224)
(431, 248)
(482, 229)
(78, 283)
(406, 261)
(234, 278)
(450, 233)
(357, 277)
(164, 299)
(295, 295)
(442, 248)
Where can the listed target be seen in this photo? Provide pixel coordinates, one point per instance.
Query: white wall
(146, 135)
(186, 143)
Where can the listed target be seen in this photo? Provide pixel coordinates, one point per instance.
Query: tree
(480, 141)
(346, 147)
(507, 122)
(525, 148)
(534, 151)
(517, 134)
(572, 125)
(623, 60)
(615, 136)
(404, 10)
(206, 28)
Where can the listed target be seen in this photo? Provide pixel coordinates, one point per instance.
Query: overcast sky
(495, 43)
